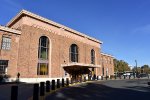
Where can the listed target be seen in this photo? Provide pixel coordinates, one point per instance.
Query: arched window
(43, 52)
(73, 53)
(92, 56)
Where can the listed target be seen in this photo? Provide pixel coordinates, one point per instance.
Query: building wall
(107, 64)
(59, 49)
(12, 54)
(23, 56)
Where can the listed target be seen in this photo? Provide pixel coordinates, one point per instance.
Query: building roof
(107, 55)
(7, 29)
(35, 16)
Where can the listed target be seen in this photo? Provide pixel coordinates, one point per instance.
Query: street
(133, 89)
(24, 91)
(105, 90)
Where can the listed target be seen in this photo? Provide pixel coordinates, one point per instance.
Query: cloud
(142, 30)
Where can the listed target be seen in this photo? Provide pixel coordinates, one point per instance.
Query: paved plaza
(97, 90)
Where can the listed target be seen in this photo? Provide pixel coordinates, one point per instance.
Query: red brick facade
(107, 64)
(23, 55)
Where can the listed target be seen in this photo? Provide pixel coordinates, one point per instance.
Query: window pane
(92, 56)
(43, 48)
(3, 66)
(6, 42)
(43, 56)
(76, 58)
(72, 57)
(74, 53)
(42, 69)
(38, 70)
(43, 53)
(44, 41)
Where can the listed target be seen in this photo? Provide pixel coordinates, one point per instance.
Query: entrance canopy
(78, 68)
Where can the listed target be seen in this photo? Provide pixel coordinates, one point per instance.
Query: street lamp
(136, 67)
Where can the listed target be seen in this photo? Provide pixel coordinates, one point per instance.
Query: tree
(121, 66)
(145, 69)
(115, 65)
(138, 69)
(142, 69)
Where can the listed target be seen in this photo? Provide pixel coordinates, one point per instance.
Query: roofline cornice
(25, 12)
(107, 55)
(3, 28)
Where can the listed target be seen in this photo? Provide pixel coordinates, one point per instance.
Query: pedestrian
(147, 75)
(94, 76)
(18, 75)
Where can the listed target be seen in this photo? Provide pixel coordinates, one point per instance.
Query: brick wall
(59, 52)
(12, 54)
(107, 64)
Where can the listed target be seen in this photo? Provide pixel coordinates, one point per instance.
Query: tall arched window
(43, 52)
(73, 53)
(92, 56)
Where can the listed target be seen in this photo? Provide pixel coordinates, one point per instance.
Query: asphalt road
(99, 90)
(24, 91)
(105, 90)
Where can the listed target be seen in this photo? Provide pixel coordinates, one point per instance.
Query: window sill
(43, 76)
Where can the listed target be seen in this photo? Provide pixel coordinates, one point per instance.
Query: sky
(122, 25)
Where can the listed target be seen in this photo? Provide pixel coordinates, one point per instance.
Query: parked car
(142, 75)
(126, 74)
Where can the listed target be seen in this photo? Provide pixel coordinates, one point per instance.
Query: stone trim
(50, 22)
(59, 31)
(3, 28)
(104, 54)
(34, 80)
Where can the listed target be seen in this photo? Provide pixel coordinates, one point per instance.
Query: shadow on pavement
(24, 90)
(94, 91)
(7, 83)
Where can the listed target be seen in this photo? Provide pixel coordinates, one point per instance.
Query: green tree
(142, 69)
(121, 66)
(145, 69)
(138, 69)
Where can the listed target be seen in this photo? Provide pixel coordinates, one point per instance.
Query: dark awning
(78, 68)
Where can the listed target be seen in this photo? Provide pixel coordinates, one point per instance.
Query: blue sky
(122, 25)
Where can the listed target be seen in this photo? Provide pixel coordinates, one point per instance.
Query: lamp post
(136, 67)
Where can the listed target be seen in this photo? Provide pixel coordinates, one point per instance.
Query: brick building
(107, 64)
(40, 49)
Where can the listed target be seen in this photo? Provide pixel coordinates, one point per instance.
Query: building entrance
(79, 72)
